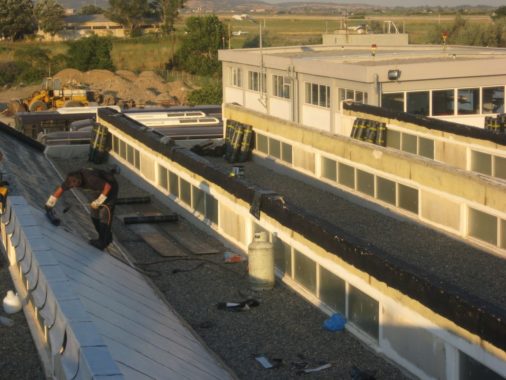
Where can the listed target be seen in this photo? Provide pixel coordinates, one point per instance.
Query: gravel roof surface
(426, 251)
(283, 326)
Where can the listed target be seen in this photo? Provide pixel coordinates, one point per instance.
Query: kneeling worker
(102, 207)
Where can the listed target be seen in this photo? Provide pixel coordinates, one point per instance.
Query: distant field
(151, 53)
(295, 29)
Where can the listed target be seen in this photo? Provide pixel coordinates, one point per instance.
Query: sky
(406, 3)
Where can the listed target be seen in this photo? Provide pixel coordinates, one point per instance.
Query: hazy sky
(406, 3)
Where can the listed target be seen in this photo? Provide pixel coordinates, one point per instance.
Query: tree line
(21, 18)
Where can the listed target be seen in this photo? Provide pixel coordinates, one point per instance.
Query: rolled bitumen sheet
(429, 123)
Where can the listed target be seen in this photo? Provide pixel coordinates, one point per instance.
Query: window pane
(262, 144)
(211, 208)
(122, 149)
(162, 177)
(409, 143)
(359, 96)
(503, 233)
(442, 102)
(308, 93)
(286, 88)
(286, 152)
(275, 89)
(328, 168)
(363, 311)
(346, 175)
(386, 190)
(314, 94)
(426, 147)
(500, 167)
(323, 96)
(198, 197)
(332, 290)
(394, 102)
(130, 154)
(137, 159)
(342, 94)
(350, 95)
(493, 100)
(483, 226)
(174, 184)
(305, 272)
(408, 198)
(393, 139)
(418, 103)
(365, 183)
(468, 101)
(471, 369)
(481, 162)
(186, 191)
(282, 255)
(274, 148)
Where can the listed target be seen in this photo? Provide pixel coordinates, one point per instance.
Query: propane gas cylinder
(261, 262)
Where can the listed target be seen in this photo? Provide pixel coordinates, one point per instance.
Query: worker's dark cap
(74, 179)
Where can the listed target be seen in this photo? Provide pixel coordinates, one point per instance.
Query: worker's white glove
(51, 202)
(99, 201)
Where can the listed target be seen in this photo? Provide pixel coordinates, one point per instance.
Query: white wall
(316, 117)
(280, 108)
(253, 101)
(233, 95)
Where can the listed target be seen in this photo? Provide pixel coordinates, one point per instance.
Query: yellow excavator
(53, 95)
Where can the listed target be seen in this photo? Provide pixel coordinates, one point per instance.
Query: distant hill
(246, 6)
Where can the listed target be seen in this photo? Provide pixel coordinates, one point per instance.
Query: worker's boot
(104, 236)
(96, 223)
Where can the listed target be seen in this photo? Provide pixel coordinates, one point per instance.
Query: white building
(307, 84)
(305, 105)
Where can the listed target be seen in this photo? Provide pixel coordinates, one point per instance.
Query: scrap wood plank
(157, 240)
(192, 239)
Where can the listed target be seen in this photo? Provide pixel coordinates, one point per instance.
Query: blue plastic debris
(335, 323)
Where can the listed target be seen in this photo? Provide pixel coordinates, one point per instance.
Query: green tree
(198, 53)
(167, 11)
(16, 19)
(91, 9)
(50, 16)
(499, 13)
(254, 41)
(90, 53)
(210, 93)
(129, 13)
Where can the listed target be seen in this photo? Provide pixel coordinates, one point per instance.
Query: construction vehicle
(55, 95)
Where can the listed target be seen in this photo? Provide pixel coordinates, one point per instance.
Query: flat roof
(358, 63)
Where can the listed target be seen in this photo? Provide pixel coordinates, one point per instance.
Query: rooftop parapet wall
(474, 315)
(437, 176)
(459, 132)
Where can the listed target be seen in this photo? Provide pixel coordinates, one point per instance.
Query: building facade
(305, 105)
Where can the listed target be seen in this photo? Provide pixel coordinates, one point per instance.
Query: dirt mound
(70, 75)
(146, 88)
(127, 74)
